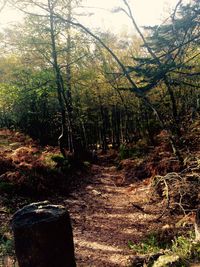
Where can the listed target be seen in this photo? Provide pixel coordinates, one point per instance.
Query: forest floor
(108, 209)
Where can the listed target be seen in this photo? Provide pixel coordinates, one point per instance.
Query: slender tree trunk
(118, 126)
(174, 107)
(68, 82)
(104, 141)
(62, 138)
(76, 144)
(115, 132)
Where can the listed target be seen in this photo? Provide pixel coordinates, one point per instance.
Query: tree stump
(43, 236)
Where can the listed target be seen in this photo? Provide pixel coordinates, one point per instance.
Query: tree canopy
(60, 78)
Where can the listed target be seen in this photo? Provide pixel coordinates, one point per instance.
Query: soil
(107, 215)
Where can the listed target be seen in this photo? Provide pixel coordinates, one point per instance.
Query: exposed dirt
(108, 214)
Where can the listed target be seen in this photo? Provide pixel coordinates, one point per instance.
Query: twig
(138, 207)
(167, 196)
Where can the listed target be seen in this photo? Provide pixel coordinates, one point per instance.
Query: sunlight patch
(96, 245)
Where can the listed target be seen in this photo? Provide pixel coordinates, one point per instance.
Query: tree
(58, 54)
(112, 91)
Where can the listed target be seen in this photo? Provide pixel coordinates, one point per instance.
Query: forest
(106, 125)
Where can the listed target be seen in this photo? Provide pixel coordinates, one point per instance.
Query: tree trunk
(68, 94)
(174, 108)
(104, 140)
(59, 82)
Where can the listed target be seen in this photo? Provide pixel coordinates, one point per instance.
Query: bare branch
(71, 63)
(187, 74)
(3, 5)
(175, 10)
(130, 14)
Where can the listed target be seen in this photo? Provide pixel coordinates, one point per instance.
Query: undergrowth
(6, 243)
(156, 251)
(133, 151)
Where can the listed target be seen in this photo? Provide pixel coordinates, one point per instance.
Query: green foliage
(57, 162)
(6, 187)
(182, 252)
(124, 152)
(167, 260)
(28, 96)
(63, 164)
(179, 252)
(6, 247)
(6, 243)
(187, 249)
(131, 151)
(150, 245)
(59, 159)
(86, 164)
(182, 246)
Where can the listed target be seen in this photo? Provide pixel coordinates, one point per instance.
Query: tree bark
(59, 82)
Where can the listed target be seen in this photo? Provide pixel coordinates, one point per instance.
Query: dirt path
(105, 217)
